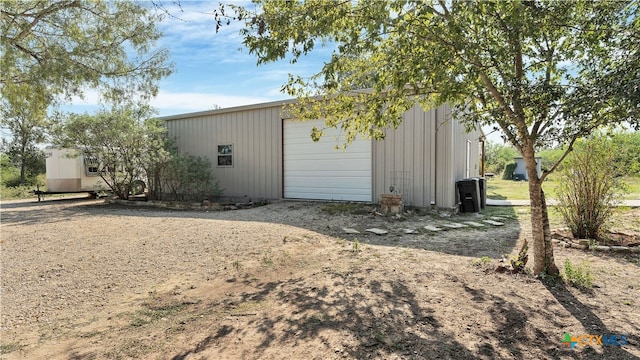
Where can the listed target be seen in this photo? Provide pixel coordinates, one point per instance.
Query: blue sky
(213, 69)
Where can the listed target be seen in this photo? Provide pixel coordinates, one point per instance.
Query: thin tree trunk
(543, 260)
(23, 165)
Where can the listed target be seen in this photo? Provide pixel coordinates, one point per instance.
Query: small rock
(494, 223)
(350, 231)
(377, 231)
(619, 248)
(432, 228)
(453, 225)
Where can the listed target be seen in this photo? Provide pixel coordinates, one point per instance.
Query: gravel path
(81, 254)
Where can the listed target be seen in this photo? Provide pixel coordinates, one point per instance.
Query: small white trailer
(68, 171)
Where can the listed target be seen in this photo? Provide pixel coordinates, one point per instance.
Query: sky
(213, 69)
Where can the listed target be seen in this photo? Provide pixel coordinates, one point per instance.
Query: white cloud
(171, 103)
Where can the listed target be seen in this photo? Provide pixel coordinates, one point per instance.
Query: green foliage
(189, 177)
(16, 192)
(588, 187)
(579, 276)
(481, 261)
(346, 208)
(53, 50)
(528, 69)
(550, 157)
(497, 156)
(355, 246)
(10, 175)
(123, 140)
(66, 47)
(508, 171)
(626, 153)
(22, 113)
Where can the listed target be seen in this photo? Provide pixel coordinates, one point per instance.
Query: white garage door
(319, 170)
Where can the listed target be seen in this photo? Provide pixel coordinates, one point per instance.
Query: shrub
(189, 177)
(579, 276)
(508, 171)
(588, 188)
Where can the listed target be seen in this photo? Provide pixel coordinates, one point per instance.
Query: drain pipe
(435, 161)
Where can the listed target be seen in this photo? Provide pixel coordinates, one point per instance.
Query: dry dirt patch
(86, 280)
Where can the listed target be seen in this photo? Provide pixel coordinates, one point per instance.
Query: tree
(125, 141)
(53, 50)
(23, 113)
(497, 156)
(71, 45)
(525, 68)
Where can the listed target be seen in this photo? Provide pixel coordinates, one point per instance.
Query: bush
(497, 156)
(579, 276)
(508, 171)
(189, 178)
(588, 188)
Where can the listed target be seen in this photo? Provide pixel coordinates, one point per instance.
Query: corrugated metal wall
(406, 158)
(422, 158)
(256, 135)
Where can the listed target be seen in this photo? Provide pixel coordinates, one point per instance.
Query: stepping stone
(494, 223)
(410, 231)
(453, 225)
(350, 231)
(377, 231)
(498, 218)
(473, 223)
(432, 228)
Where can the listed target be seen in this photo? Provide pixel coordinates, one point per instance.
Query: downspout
(482, 140)
(435, 162)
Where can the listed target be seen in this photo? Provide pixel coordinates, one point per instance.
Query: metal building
(257, 153)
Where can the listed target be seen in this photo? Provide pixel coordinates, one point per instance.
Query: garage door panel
(324, 194)
(346, 182)
(321, 167)
(319, 170)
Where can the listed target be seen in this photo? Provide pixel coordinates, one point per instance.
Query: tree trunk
(23, 165)
(543, 261)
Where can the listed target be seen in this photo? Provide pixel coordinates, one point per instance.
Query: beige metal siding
(256, 136)
(405, 159)
(424, 157)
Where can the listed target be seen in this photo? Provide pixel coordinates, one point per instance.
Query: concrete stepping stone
(432, 228)
(473, 223)
(377, 231)
(350, 231)
(498, 218)
(494, 223)
(453, 225)
(410, 231)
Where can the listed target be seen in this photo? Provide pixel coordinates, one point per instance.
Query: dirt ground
(82, 279)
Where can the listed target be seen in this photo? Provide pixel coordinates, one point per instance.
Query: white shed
(520, 172)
